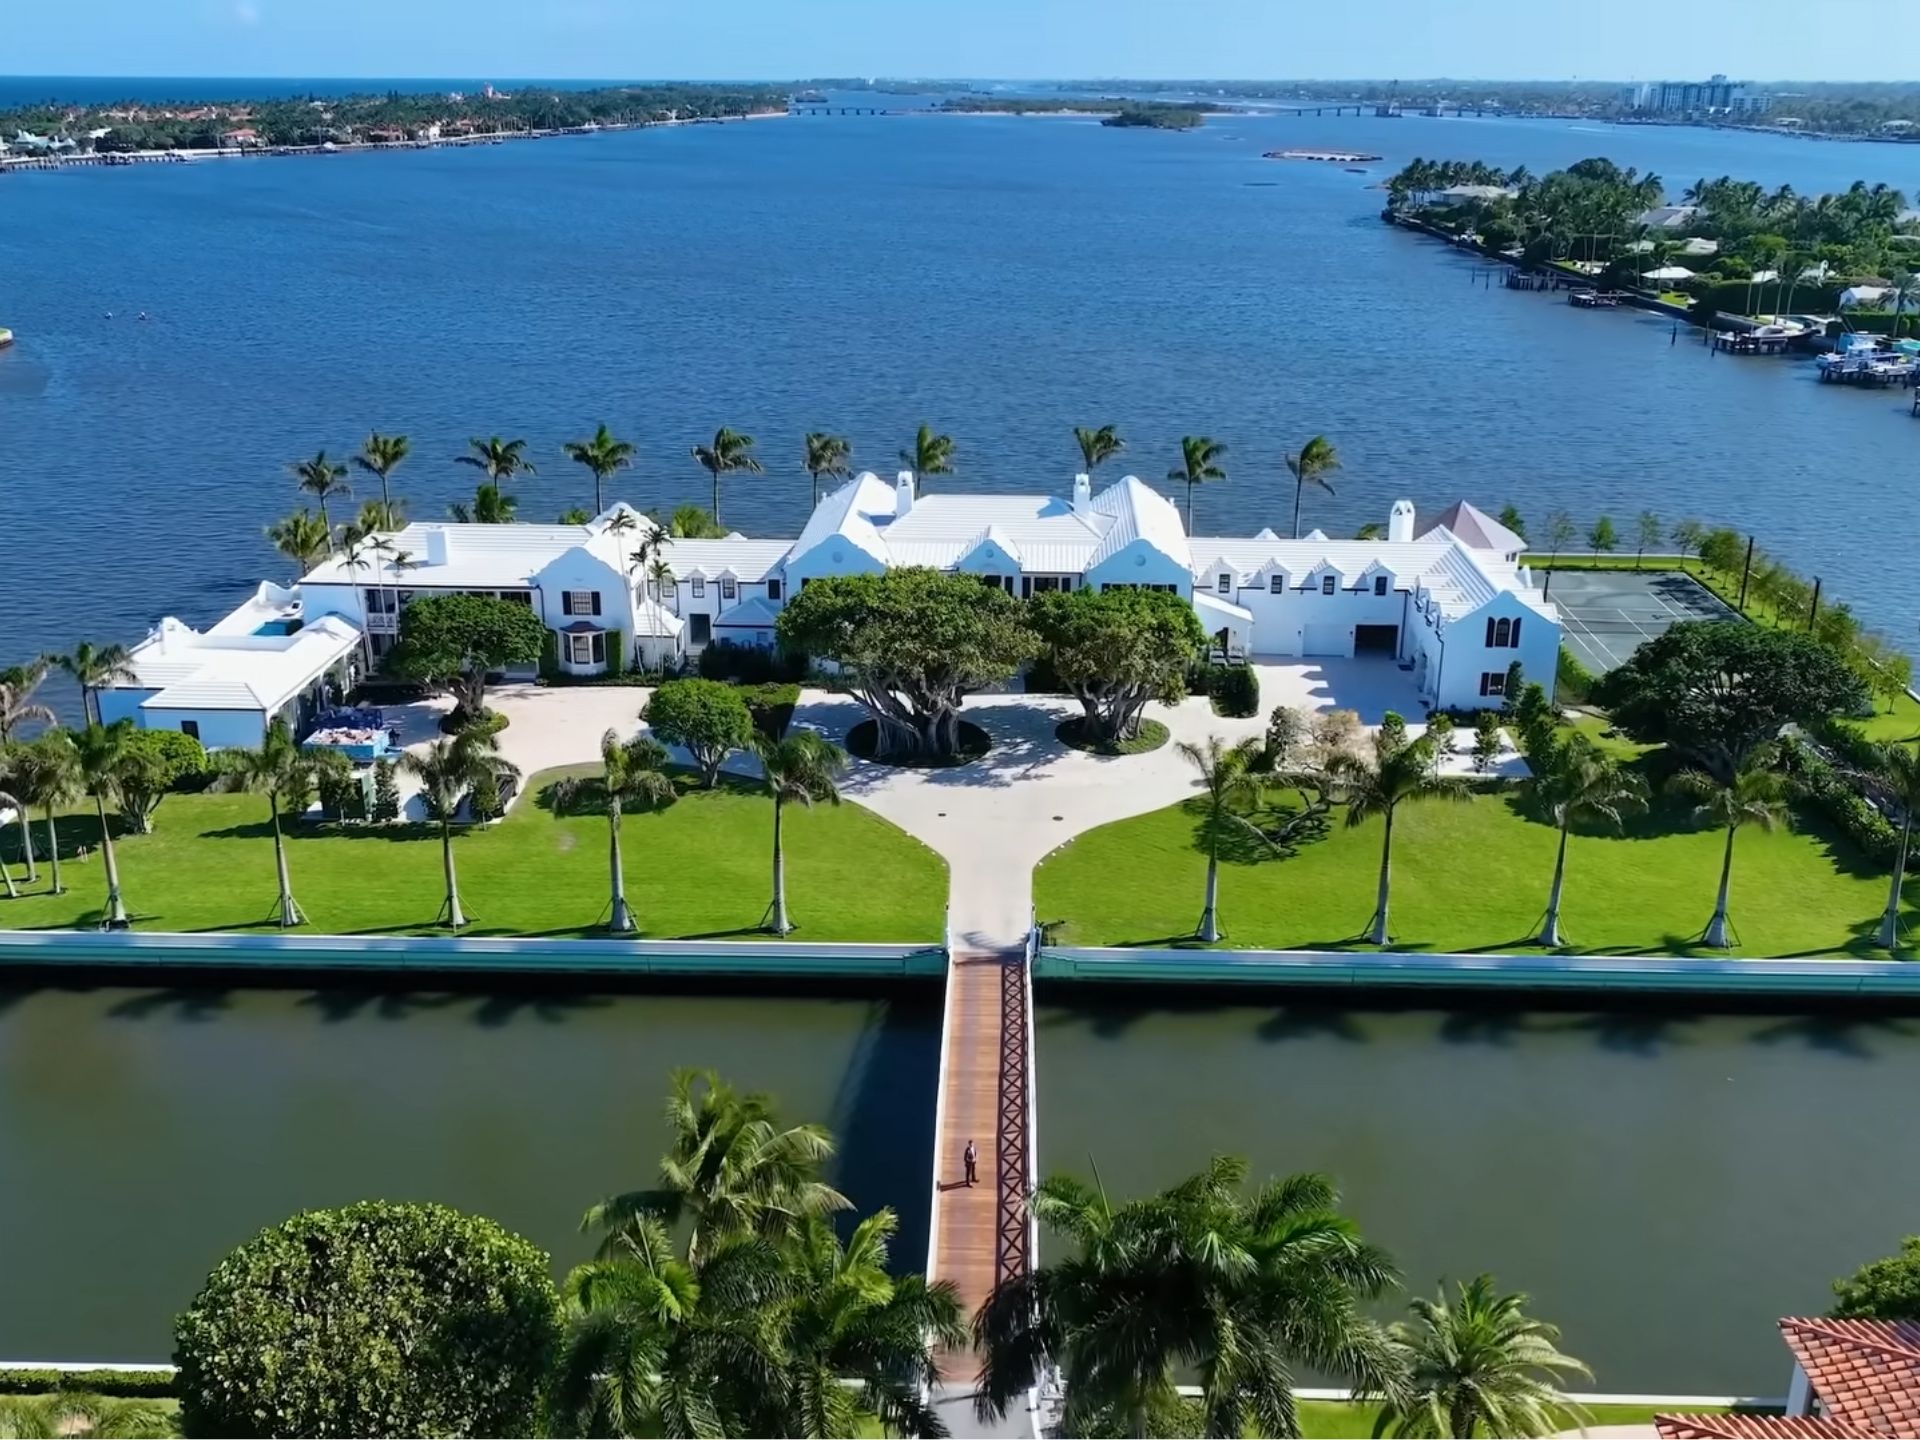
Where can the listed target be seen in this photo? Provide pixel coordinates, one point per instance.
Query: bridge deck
(982, 1229)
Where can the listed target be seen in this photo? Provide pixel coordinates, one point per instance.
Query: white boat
(6, 337)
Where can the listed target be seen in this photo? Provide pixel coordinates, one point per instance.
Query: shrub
(1286, 728)
(143, 1384)
(1235, 690)
(386, 794)
(707, 718)
(1886, 1289)
(160, 763)
(771, 706)
(1573, 680)
(1829, 793)
(1393, 730)
(376, 1319)
(1486, 741)
(550, 656)
(1440, 733)
(617, 656)
(342, 797)
(750, 664)
(461, 722)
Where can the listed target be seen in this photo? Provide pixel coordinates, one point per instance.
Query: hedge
(117, 1384)
(1827, 791)
(750, 664)
(1235, 690)
(1573, 680)
(617, 657)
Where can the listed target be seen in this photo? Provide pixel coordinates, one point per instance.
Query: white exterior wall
(1142, 563)
(711, 602)
(1468, 657)
(581, 569)
(121, 702)
(342, 600)
(219, 729)
(836, 555)
(1283, 624)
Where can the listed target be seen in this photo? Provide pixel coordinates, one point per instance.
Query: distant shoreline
(108, 160)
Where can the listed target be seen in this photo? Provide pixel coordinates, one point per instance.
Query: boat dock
(1754, 342)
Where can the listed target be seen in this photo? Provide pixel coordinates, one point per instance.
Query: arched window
(1516, 635)
(1502, 634)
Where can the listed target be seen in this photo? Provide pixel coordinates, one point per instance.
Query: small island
(1113, 110)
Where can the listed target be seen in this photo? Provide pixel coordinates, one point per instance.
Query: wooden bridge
(982, 1235)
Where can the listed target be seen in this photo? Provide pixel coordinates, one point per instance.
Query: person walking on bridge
(971, 1158)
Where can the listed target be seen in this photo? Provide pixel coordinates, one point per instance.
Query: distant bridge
(841, 110)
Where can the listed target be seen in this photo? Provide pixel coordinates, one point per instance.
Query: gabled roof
(1865, 1374)
(1477, 528)
(754, 614)
(1456, 578)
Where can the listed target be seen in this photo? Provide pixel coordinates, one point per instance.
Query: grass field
(1466, 877)
(1900, 722)
(699, 868)
(1344, 1420)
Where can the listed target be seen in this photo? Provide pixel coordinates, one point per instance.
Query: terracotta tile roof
(1865, 1372)
(1756, 1427)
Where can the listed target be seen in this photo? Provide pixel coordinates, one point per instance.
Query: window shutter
(1516, 634)
(1484, 677)
(596, 602)
(566, 602)
(1490, 625)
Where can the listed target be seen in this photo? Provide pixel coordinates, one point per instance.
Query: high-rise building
(1714, 96)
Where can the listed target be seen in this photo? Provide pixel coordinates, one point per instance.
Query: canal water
(144, 1132)
(1664, 1185)
(1002, 278)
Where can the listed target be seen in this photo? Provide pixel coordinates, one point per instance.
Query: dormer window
(728, 591)
(1225, 584)
(1277, 583)
(1328, 584)
(1379, 584)
(699, 587)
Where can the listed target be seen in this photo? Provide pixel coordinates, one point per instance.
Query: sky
(1011, 39)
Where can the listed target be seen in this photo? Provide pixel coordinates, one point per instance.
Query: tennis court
(1605, 615)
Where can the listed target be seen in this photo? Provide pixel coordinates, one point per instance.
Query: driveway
(1370, 685)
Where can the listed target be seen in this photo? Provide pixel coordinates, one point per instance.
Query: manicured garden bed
(1466, 877)
(1151, 737)
(700, 868)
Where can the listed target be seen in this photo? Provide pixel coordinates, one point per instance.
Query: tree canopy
(1717, 690)
(1886, 1289)
(914, 642)
(376, 1319)
(454, 640)
(707, 717)
(1114, 650)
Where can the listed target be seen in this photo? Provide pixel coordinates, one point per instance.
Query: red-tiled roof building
(1852, 1380)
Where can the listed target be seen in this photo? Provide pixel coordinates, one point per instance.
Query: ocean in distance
(1002, 278)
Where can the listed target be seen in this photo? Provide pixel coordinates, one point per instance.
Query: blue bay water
(1002, 278)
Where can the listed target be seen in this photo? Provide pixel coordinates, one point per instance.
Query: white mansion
(1452, 605)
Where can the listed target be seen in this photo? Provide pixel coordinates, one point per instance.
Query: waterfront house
(226, 685)
(1851, 1378)
(1449, 603)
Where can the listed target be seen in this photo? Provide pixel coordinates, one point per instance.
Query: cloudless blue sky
(782, 39)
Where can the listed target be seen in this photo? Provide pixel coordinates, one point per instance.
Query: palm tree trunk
(1377, 933)
(116, 906)
(716, 497)
(289, 912)
(621, 921)
(386, 499)
(456, 917)
(53, 854)
(6, 875)
(1889, 936)
(26, 843)
(599, 503)
(1210, 916)
(1716, 936)
(781, 924)
(1189, 507)
(1298, 486)
(1550, 930)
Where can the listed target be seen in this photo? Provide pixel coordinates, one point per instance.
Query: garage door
(1327, 640)
(1376, 639)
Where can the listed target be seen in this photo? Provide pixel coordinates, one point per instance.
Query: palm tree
(10, 801)
(322, 479)
(931, 455)
(1199, 464)
(1097, 446)
(303, 538)
(17, 708)
(660, 572)
(491, 506)
(102, 754)
(45, 772)
(1482, 1364)
(1754, 796)
(382, 515)
(1896, 771)
(380, 455)
(93, 667)
(448, 771)
(605, 456)
(1577, 782)
(500, 460)
(690, 522)
(633, 776)
(1226, 774)
(731, 1168)
(286, 774)
(730, 451)
(1317, 459)
(828, 455)
(1200, 1282)
(798, 770)
(1378, 785)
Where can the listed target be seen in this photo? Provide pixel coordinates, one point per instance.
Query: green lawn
(700, 868)
(1467, 877)
(1901, 721)
(1345, 1420)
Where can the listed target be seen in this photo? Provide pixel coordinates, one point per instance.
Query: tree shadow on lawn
(1286, 828)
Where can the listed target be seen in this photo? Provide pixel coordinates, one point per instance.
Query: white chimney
(903, 494)
(1400, 522)
(1082, 494)
(436, 544)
